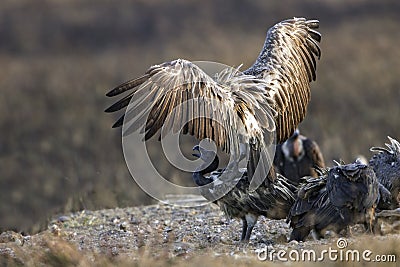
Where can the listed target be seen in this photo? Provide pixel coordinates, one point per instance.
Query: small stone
(63, 218)
(134, 220)
(225, 240)
(115, 220)
(19, 242)
(114, 251)
(123, 226)
(27, 238)
(11, 236)
(55, 229)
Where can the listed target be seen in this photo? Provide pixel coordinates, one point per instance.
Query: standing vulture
(342, 196)
(269, 98)
(297, 157)
(271, 199)
(254, 108)
(386, 164)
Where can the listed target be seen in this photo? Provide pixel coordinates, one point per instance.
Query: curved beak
(196, 148)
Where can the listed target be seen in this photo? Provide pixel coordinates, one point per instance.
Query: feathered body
(263, 103)
(251, 109)
(386, 164)
(298, 157)
(344, 195)
(271, 199)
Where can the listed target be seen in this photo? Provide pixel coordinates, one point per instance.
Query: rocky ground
(164, 235)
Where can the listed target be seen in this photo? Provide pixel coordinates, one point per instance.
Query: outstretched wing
(178, 95)
(287, 64)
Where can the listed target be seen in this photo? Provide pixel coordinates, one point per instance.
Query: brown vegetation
(59, 58)
(166, 235)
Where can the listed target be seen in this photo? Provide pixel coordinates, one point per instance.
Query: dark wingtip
(128, 85)
(116, 125)
(109, 110)
(110, 93)
(119, 122)
(117, 90)
(120, 104)
(112, 108)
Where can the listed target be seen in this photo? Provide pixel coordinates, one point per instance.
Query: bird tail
(285, 192)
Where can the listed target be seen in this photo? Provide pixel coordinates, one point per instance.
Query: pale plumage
(271, 95)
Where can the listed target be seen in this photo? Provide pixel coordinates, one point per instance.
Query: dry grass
(60, 57)
(164, 235)
(53, 251)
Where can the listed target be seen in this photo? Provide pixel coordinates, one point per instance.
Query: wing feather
(164, 87)
(288, 64)
(272, 95)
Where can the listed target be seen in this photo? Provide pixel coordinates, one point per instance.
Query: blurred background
(58, 152)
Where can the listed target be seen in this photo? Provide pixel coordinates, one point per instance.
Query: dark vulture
(271, 199)
(255, 108)
(340, 197)
(386, 164)
(297, 157)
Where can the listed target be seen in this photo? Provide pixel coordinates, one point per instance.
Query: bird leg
(249, 221)
(371, 221)
(244, 229)
(348, 231)
(316, 235)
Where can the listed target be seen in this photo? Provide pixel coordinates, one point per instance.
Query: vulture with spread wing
(272, 95)
(255, 108)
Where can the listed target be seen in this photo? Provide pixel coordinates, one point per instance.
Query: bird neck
(198, 176)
